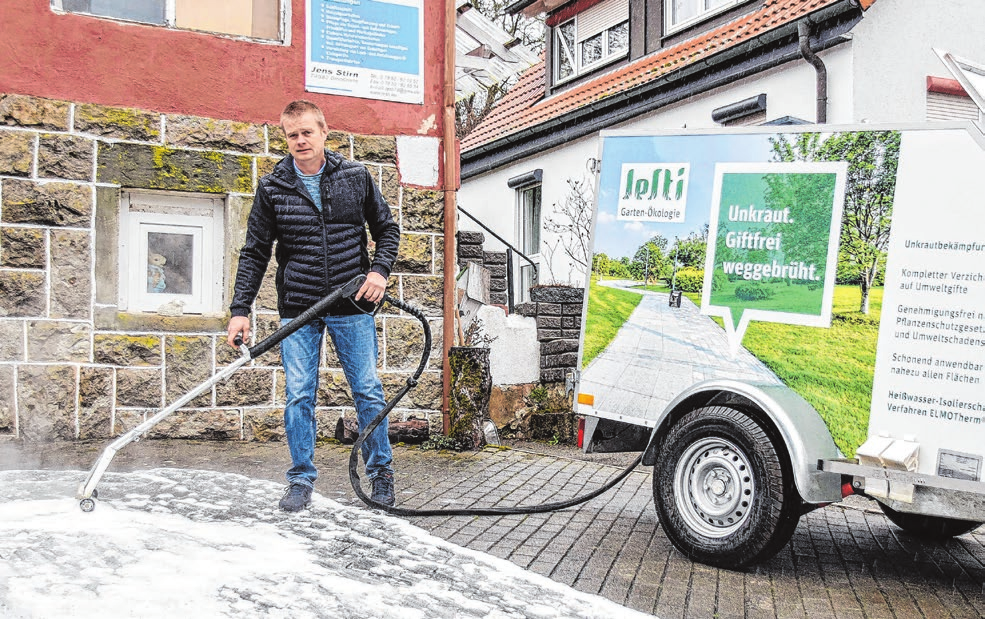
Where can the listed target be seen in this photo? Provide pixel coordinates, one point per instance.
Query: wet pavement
(845, 560)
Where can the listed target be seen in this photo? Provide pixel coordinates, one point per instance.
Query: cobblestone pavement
(845, 560)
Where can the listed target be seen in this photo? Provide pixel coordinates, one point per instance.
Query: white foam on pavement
(168, 542)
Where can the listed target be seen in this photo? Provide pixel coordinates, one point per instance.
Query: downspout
(450, 213)
(804, 32)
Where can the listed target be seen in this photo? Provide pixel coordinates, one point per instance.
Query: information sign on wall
(373, 49)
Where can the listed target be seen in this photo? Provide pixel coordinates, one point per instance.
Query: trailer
(738, 454)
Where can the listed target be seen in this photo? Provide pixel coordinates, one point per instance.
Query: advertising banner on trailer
(775, 226)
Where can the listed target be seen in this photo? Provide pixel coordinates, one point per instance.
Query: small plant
(539, 395)
(476, 336)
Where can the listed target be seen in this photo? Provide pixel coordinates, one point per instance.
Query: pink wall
(78, 58)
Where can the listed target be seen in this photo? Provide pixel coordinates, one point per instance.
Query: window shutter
(942, 106)
(601, 16)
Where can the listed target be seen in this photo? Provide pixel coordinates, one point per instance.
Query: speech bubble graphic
(773, 244)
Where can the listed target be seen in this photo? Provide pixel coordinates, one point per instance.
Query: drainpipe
(450, 181)
(803, 32)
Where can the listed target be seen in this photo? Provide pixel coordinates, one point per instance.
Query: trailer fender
(804, 434)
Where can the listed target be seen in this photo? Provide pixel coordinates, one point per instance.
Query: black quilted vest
(316, 251)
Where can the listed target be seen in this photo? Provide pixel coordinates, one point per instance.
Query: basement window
(171, 253)
(257, 19)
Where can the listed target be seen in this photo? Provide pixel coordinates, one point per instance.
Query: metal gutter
(821, 86)
(749, 58)
(450, 186)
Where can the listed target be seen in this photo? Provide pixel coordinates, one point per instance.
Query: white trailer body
(738, 455)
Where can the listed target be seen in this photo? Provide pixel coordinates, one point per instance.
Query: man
(316, 206)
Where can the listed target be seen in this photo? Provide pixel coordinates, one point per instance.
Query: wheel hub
(714, 487)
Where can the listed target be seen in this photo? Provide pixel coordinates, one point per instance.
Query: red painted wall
(87, 59)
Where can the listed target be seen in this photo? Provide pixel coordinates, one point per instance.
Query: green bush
(753, 292)
(719, 281)
(690, 280)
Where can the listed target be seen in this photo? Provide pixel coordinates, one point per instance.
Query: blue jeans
(354, 338)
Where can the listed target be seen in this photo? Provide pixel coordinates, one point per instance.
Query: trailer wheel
(929, 527)
(724, 494)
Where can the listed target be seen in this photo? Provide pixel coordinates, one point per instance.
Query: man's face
(305, 140)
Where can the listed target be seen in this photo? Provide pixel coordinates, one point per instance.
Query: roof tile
(525, 106)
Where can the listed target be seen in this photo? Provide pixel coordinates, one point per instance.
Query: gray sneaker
(297, 497)
(383, 488)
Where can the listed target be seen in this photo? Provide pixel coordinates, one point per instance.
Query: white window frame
(560, 47)
(607, 55)
(596, 21)
(197, 215)
(703, 13)
(525, 280)
(284, 31)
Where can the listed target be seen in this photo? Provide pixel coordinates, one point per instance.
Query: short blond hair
(297, 109)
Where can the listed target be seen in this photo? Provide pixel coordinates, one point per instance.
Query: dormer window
(680, 14)
(593, 38)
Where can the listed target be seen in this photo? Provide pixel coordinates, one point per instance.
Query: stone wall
(558, 310)
(469, 248)
(74, 365)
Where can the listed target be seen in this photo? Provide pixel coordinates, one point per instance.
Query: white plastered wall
(790, 91)
(894, 53)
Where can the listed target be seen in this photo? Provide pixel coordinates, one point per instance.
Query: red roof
(525, 106)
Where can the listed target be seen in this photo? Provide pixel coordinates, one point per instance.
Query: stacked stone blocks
(74, 366)
(558, 311)
(470, 249)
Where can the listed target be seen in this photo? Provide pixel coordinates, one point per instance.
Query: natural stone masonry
(558, 311)
(422, 211)
(65, 156)
(21, 293)
(119, 123)
(188, 361)
(95, 402)
(46, 397)
(16, 153)
(127, 350)
(47, 204)
(375, 148)
(470, 249)
(71, 295)
(7, 390)
(248, 387)
(221, 425)
(73, 365)
(22, 248)
(138, 388)
(158, 167)
(54, 341)
(11, 340)
(33, 113)
(264, 425)
(415, 254)
(196, 132)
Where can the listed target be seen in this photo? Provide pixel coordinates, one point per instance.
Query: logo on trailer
(653, 192)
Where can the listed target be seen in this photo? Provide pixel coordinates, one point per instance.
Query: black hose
(465, 511)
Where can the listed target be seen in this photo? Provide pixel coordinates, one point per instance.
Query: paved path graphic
(659, 352)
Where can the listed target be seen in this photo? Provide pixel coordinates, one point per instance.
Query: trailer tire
(723, 491)
(929, 527)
